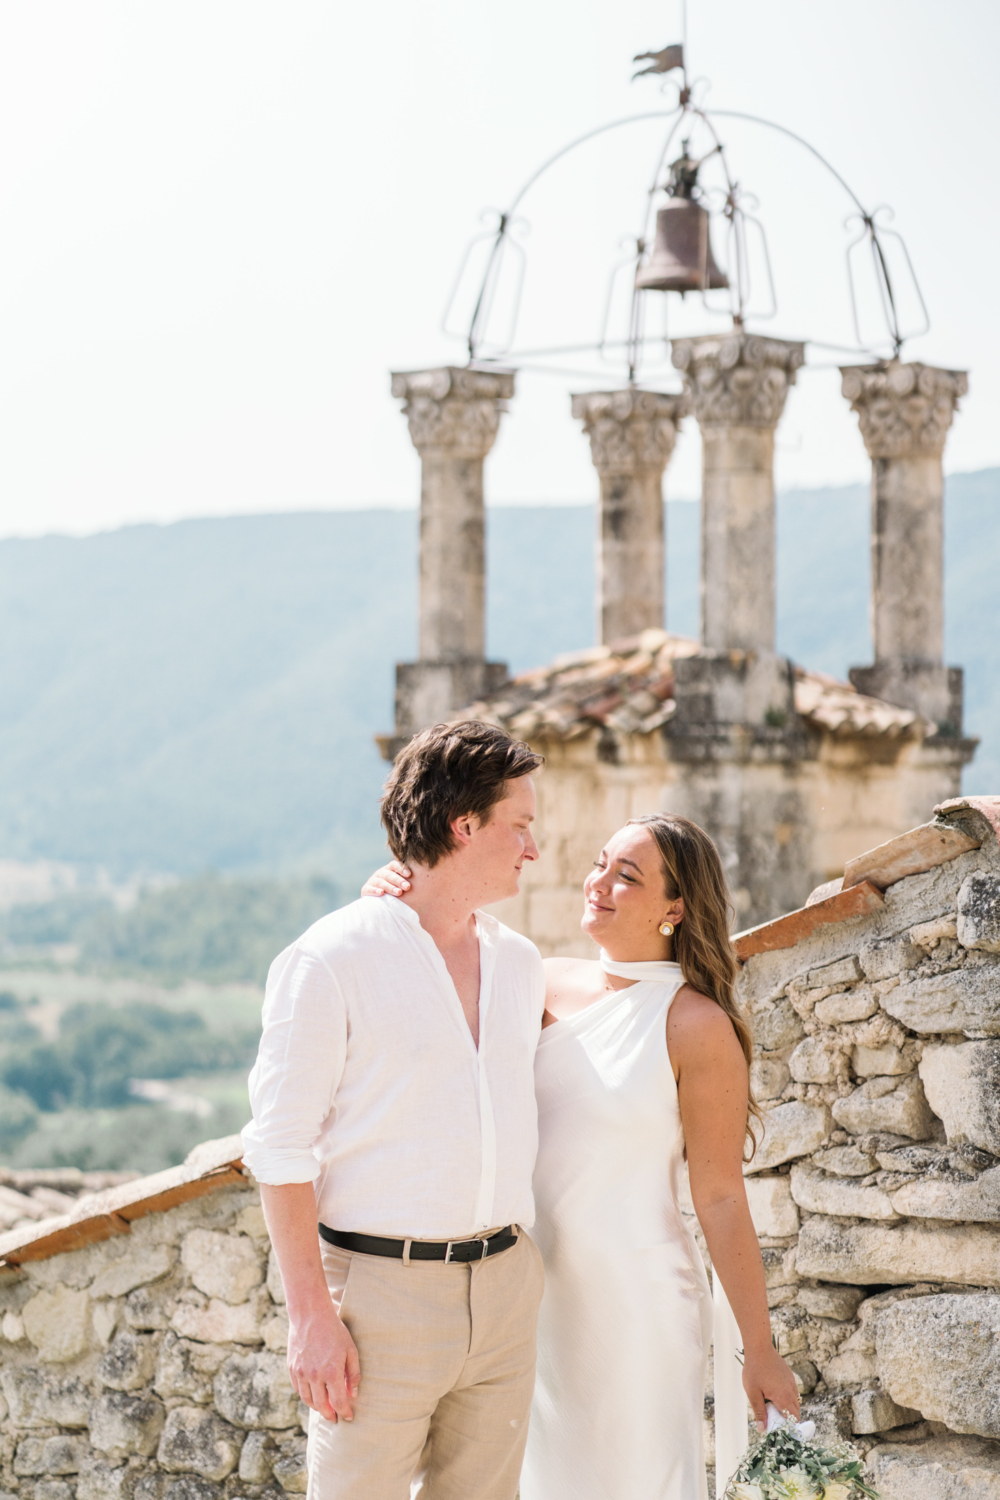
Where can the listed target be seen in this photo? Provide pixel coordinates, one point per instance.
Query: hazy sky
(224, 222)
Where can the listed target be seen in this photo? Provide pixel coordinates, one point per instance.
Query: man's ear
(463, 828)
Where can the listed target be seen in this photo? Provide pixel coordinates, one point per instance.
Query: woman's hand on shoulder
(392, 879)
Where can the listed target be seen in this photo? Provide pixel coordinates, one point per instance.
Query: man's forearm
(290, 1214)
(322, 1359)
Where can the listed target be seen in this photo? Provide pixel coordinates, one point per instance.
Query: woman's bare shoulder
(696, 1020)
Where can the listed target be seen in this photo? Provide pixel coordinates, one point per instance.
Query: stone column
(738, 385)
(453, 415)
(905, 411)
(632, 435)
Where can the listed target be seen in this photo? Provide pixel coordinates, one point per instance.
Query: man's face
(493, 852)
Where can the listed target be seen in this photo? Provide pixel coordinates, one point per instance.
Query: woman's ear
(675, 911)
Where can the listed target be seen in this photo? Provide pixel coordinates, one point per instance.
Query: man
(393, 1099)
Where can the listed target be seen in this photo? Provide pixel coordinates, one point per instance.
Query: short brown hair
(448, 771)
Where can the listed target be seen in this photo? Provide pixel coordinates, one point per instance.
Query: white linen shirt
(368, 1082)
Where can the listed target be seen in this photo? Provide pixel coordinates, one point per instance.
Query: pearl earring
(667, 928)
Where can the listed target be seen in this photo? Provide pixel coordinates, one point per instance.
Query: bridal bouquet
(784, 1463)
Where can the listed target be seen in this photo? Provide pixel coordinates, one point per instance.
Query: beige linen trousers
(447, 1357)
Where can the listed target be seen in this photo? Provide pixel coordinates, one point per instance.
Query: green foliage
(138, 1138)
(204, 928)
(101, 1047)
(18, 1117)
(781, 1465)
(207, 928)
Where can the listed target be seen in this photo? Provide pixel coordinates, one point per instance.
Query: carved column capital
(904, 411)
(630, 431)
(454, 409)
(737, 379)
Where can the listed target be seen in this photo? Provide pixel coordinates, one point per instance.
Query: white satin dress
(625, 1323)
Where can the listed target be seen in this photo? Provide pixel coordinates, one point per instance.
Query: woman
(643, 1060)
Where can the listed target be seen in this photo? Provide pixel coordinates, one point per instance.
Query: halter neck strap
(661, 970)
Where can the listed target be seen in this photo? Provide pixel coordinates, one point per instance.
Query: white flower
(836, 1490)
(746, 1491)
(798, 1484)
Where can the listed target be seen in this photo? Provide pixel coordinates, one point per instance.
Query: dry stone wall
(151, 1365)
(876, 1188)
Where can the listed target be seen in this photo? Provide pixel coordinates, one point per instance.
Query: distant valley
(204, 695)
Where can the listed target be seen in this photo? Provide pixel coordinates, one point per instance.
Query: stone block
(779, 1266)
(943, 1468)
(817, 1059)
(290, 1467)
(12, 1327)
(853, 1005)
(771, 1208)
(256, 1457)
(942, 1355)
(37, 1400)
(962, 1084)
(104, 1320)
(845, 1161)
(196, 1441)
(979, 912)
(219, 1322)
(839, 1303)
(145, 1309)
(843, 971)
(121, 1424)
(975, 1200)
(52, 1455)
(886, 1104)
(884, 1062)
(832, 1415)
(929, 934)
(187, 1369)
(768, 1076)
(276, 1330)
(876, 1411)
(50, 1489)
(129, 1363)
(850, 1367)
(776, 1026)
(806, 1375)
(57, 1321)
(190, 1487)
(275, 1286)
(250, 1220)
(886, 957)
(790, 1130)
(254, 1391)
(966, 999)
(846, 1197)
(895, 1254)
(227, 1266)
(101, 1481)
(137, 1267)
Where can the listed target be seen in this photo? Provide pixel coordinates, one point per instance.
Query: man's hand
(323, 1362)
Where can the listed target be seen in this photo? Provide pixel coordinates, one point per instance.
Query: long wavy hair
(692, 871)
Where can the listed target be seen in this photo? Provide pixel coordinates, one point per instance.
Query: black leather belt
(450, 1251)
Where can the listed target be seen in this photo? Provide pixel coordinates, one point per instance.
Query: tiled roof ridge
(104, 1214)
(628, 686)
(866, 877)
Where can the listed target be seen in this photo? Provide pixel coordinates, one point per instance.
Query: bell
(682, 258)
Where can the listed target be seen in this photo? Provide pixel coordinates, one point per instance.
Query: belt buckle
(447, 1251)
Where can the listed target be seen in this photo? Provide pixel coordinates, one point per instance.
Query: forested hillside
(204, 695)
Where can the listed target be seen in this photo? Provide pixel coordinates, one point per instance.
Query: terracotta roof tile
(629, 687)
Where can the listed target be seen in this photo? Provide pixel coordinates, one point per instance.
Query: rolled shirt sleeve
(299, 1066)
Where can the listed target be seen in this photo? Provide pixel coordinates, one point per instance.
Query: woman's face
(625, 899)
